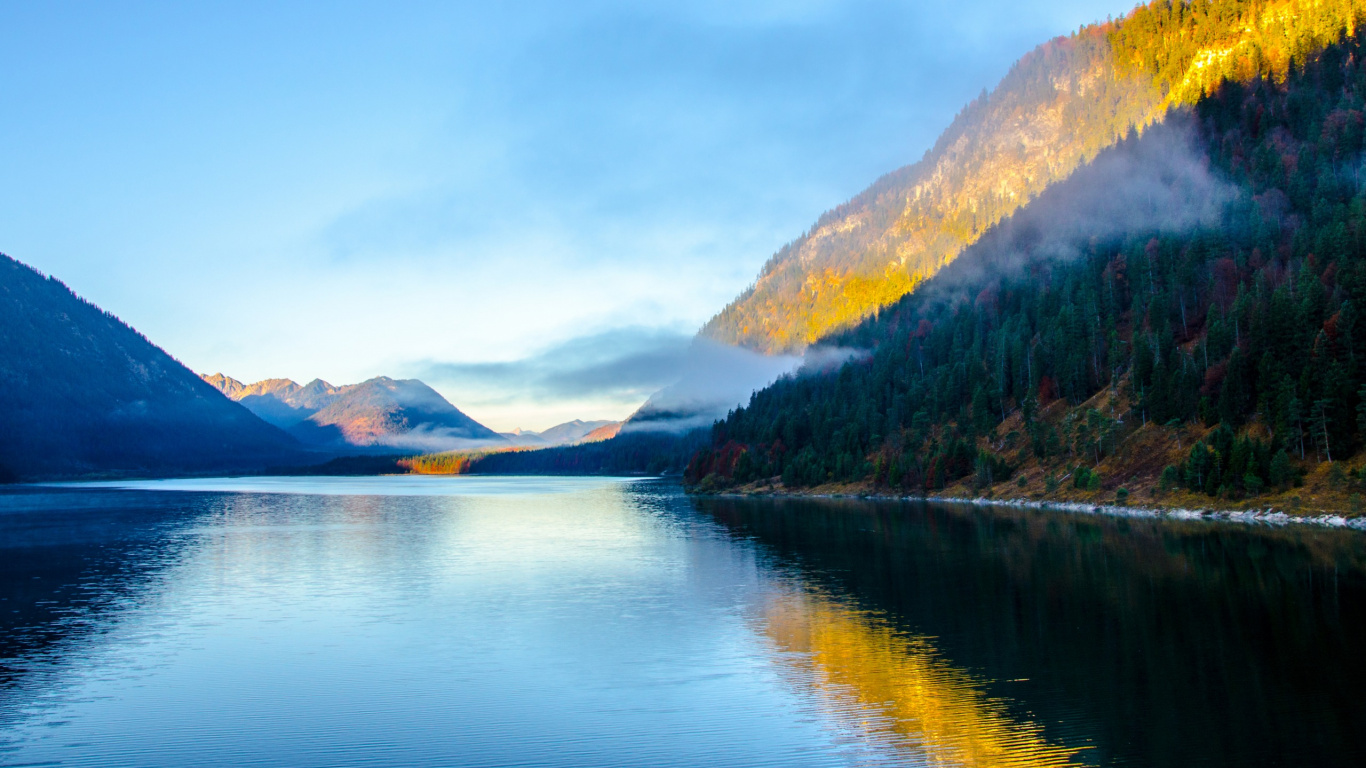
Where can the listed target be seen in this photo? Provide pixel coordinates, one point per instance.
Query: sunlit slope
(1058, 106)
(379, 411)
(899, 689)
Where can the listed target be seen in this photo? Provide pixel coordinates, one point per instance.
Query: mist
(1159, 182)
(715, 379)
(603, 375)
(428, 439)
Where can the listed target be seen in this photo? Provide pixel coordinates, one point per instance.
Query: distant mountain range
(385, 413)
(379, 413)
(568, 433)
(82, 392)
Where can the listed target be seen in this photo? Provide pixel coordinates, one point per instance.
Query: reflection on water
(381, 485)
(1153, 643)
(597, 622)
(904, 691)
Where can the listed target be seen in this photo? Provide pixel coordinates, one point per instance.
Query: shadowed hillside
(82, 392)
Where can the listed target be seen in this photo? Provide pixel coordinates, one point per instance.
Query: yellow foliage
(910, 695)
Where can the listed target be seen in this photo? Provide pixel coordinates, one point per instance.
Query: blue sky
(461, 191)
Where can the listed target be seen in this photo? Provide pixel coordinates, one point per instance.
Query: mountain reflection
(898, 689)
(1149, 642)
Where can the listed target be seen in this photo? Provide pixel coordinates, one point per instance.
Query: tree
(1322, 421)
(1281, 471)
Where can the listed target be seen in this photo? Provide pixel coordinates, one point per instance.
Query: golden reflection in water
(899, 688)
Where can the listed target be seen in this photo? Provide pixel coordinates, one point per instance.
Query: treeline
(629, 453)
(1251, 314)
(448, 463)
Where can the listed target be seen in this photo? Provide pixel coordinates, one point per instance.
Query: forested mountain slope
(1223, 353)
(1055, 110)
(82, 392)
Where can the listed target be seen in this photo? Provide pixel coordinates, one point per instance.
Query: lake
(475, 621)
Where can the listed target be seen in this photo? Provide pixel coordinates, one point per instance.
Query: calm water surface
(594, 622)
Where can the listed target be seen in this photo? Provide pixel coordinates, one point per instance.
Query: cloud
(683, 380)
(428, 439)
(621, 365)
(824, 359)
(1160, 182)
(716, 378)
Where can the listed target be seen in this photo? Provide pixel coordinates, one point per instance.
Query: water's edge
(1268, 516)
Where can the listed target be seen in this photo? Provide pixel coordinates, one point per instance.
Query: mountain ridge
(379, 412)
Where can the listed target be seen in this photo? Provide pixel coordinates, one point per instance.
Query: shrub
(1336, 477)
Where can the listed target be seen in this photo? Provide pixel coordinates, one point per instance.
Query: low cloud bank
(826, 359)
(621, 365)
(720, 378)
(428, 439)
(716, 378)
(685, 381)
(1159, 183)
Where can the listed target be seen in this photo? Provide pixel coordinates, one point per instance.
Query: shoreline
(1268, 516)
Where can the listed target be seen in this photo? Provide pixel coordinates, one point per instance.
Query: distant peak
(223, 383)
(219, 377)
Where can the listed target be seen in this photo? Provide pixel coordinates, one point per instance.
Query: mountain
(1178, 322)
(1056, 109)
(381, 412)
(568, 433)
(81, 392)
(523, 438)
(575, 431)
(605, 432)
(230, 387)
